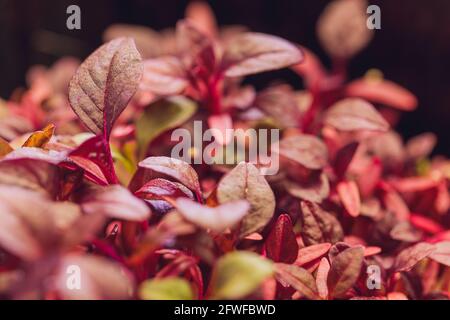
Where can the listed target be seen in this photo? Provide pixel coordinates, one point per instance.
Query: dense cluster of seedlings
(353, 213)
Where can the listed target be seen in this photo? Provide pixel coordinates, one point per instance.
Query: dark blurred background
(412, 48)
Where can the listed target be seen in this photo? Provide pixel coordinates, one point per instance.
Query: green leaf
(238, 274)
(161, 116)
(171, 288)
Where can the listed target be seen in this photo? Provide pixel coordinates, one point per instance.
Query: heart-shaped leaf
(281, 244)
(344, 271)
(238, 274)
(300, 279)
(245, 182)
(173, 168)
(250, 53)
(354, 114)
(218, 218)
(318, 225)
(104, 83)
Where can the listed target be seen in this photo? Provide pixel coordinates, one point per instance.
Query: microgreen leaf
(170, 288)
(104, 83)
(238, 274)
(344, 271)
(250, 53)
(245, 182)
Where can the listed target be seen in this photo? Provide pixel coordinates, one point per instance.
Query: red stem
(214, 94)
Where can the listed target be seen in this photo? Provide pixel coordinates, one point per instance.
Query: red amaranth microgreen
(87, 178)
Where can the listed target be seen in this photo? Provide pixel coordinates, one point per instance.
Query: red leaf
(201, 14)
(354, 114)
(222, 128)
(413, 184)
(344, 271)
(371, 251)
(190, 41)
(104, 83)
(94, 157)
(38, 175)
(343, 158)
(300, 279)
(148, 42)
(321, 278)
(395, 203)
(311, 253)
(442, 201)
(421, 146)
(117, 202)
(315, 189)
(369, 177)
(342, 28)
(307, 150)
(318, 225)
(441, 253)
(382, 91)
(218, 218)
(426, 224)
(281, 244)
(349, 195)
(410, 256)
(164, 76)
(403, 231)
(281, 104)
(160, 189)
(173, 168)
(250, 53)
(311, 68)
